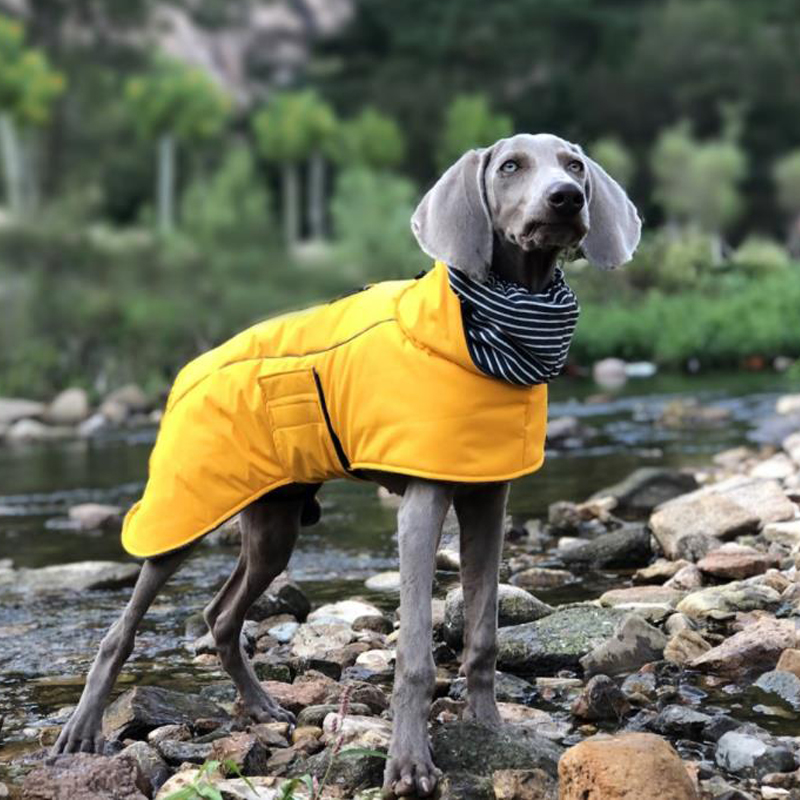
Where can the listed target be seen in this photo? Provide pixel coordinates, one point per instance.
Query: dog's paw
(412, 774)
(81, 734)
(483, 710)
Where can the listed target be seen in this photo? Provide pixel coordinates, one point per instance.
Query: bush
(757, 256)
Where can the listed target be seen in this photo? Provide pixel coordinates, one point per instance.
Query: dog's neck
(532, 269)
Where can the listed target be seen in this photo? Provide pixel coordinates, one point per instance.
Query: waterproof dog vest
(379, 380)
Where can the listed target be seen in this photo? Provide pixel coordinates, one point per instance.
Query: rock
(628, 765)
(737, 563)
(31, 430)
(681, 722)
(152, 767)
(791, 444)
(738, 752)
(347, 773)
(642, 595)
(562, 428)
(284, 596)
(109, 413)
(472, 747)
(347, 611)
(777, 467)
(690, 526)
(515, 606)
(508, 689)
(448, 559)
(788, 404)
(789, 661)
(245, 750)
(717, 601)
(757, 648)
(230, 789)
(564, 517)
(542, 578)
(380, 625)
(315, 715)
(68, 408)
(13, 409)
(177, 753)
(785, 685)
(633, 644)
(659, 571)
(78, 577)
(85, 776)
(557, 641)
(141, 709)
(284, 632)
(318, 639)
(535, 720)
(646, 488)
(626, 548)
(688, 413)
(787, 533)
(384, 582)
(373, 733)
(310, 689)
(763, 498)
(601, 699)
(686, 579)
(609, 373)
(377, 660)
(131, 397)
(94, 516)
(685, 646)
(463, 785)
(523, 784)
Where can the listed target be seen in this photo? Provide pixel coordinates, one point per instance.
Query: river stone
(515, 606)
(317, 639)
(740, 752)
(472, 747)
(719, 601)
(141, 709)
(152, 767)
(786, 685)
(763, 498)
(757, 648)
(347, 611)
(786, 533)
(790, 661)
(557, 641)
(684, 646)
(601, 699)
(662, 569)
(646, 488)
(508, 689)
(94, 516)
(315, 715)
(13, 409)
(68, 408)
(737, 563)
(681, 722)
(230, 789)
(633, 644)
(131, 396)
(384, 582)
(791, 444)
(86, 776)
(176, 753)
(346, 773)
(778, 467)
(626, 548)
(523, 784)
(629, 765)
(462, 785)
(647, 595)
(542, 578)
(31, 430)
(691, 525)
(284, 596)
(78, 577)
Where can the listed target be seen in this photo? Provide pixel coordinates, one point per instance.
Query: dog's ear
(614, 224)
(452, 222)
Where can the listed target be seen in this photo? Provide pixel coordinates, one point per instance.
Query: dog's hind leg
(481, 511)
(84, 730)
(269, 531)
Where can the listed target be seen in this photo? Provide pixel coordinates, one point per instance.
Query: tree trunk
(316, 196)
(291, 202)
(166, 183)
(13, 165)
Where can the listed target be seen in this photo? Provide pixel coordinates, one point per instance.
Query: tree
(370, 140)
(615, 158)
(174, 103)
(786, 173)
(28, 86)
(698, 182)
(469, 122)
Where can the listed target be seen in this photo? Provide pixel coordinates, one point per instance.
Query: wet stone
(601, 699)
(284, 596)
(76, 577)
(537, 579)
(151, 765)
(176, 753)
(783, 685)
(245, 749)
(739, 752)
(646, 488)
(508, 689)
(524, 784)
(724, 600)
(622, 549)
(681, 722)
(633, 644)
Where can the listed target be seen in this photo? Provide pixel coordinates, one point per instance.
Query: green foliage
(203, 788)
(615, 158)
(786, 173)
(28, 85)
(469, 122)
(371, 140)
(292, 125)
(757, 257)
(175, 99)
(371, 212)
(698, 182)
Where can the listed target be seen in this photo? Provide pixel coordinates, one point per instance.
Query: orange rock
(630, 766)
(790, 661)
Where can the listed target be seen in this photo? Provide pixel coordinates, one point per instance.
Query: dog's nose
(566, 199)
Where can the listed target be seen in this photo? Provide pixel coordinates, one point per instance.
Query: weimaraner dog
(511, 208)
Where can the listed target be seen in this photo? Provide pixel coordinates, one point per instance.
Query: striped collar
(513, 334)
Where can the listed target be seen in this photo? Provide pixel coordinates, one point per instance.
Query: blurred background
(174, 171)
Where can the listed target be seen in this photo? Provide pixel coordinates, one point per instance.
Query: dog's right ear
(452, 222)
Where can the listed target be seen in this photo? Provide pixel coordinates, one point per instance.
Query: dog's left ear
(614, 224)
(452, 222)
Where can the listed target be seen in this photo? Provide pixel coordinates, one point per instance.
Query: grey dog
(511, 208)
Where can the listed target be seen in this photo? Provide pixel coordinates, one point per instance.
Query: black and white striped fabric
(514, 334)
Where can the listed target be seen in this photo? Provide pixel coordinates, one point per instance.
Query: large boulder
(557, 641)
(630, 765)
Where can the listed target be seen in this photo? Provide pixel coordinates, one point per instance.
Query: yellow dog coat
(379, 380)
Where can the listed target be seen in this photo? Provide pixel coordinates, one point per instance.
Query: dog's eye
(509, 166)
(575, 166)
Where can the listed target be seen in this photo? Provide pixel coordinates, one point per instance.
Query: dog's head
(536, 192)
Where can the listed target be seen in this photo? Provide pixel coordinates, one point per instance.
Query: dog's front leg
(410, 769)
(481, 511)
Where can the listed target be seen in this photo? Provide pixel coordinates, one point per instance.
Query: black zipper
(337, 445)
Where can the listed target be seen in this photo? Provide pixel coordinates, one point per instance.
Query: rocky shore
(681, 680)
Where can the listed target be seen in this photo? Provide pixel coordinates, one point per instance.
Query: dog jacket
(380, 380)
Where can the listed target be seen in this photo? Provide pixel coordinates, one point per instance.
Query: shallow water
(46, 643)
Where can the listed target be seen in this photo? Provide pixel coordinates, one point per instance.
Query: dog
(387, 385)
